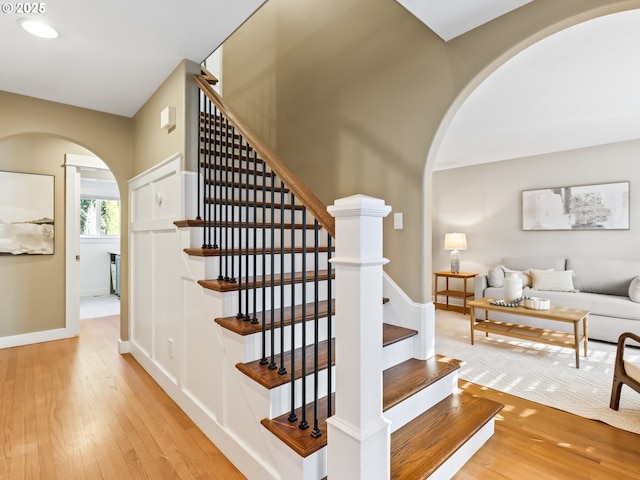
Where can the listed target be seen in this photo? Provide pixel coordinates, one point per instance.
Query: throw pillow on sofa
(553, 281)
(634, 290)
(522, 275)
(495, 276)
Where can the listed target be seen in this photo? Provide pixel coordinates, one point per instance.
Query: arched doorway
(566, 91)
(92, 240)
(34, 287)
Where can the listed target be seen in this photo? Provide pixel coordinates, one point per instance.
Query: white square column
(358, 435)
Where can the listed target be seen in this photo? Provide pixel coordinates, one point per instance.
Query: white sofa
(609, 289)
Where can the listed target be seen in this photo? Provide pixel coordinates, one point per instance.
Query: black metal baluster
(263, 360)
(232, 277)
(220, 227)
(272, 362)
(316, 330)
(241, 245)
(226, 200)
(282, 370)
(202, 106)
(254, 320)
(246, 208)
(213, 198)
(329, 325)
(303, 422)
(292, 414)
(208, 171)
(206, 241)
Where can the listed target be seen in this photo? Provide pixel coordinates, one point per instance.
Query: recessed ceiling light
(39, 29)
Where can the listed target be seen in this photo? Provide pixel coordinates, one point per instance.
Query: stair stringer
(403, 312)
(239, 406)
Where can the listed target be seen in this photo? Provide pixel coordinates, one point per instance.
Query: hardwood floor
(532, 441)
(76, 409)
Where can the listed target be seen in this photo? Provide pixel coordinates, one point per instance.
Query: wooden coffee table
(550, 337)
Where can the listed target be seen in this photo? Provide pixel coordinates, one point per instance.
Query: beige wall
(152, 144)
(34, 135)
(352, 94)
(32, 287)
(490, 211)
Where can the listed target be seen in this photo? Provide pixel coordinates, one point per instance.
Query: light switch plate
(397, 221)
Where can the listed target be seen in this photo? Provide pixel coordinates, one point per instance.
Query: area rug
(541, 373)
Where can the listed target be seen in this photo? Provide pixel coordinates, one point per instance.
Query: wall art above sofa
(583, 207)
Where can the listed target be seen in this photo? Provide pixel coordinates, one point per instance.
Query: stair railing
(233, 160)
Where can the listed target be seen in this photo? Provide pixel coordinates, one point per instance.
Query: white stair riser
(257, 214)
(464, 453)
(397, 352)
(263, 298)
(422, 401)
(225, 304)
(238, 237)
(209, 267)
(280, 397)
(253, 343)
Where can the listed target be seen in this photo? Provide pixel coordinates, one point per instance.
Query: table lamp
(455, 242)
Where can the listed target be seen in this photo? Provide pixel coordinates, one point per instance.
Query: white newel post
(358, 435)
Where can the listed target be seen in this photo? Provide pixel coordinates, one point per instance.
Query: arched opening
(35, 289)
(577, 111)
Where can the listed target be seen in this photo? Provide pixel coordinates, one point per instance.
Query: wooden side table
(448, 292)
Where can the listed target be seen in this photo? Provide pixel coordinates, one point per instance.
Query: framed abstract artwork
(26, 214)
(603, 206)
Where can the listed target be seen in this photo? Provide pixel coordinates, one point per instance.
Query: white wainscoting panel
(156, 323)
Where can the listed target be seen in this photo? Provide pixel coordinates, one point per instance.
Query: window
(99, 217)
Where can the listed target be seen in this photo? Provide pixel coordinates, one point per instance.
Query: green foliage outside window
(110, 217)
(99, 217)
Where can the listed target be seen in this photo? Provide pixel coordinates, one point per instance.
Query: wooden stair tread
(411, 376)
(215, 252)
(238, 184)
(244, 327)
(250, 203)
(234, 156)
(393, 333)
(223, 141)
(238, 170)
(272, 379)
(223, 224)
(419, 448)
(297, 439)
(287, 279)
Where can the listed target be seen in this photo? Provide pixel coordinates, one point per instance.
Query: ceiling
(577, 88)
(111, 55)
(449, 19)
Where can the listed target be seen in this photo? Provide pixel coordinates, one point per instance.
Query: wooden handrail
(302, 193)
(208, 76)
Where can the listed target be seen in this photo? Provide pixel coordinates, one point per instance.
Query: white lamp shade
(455, 241)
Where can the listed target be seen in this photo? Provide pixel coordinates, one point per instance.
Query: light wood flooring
(76, 409)
(535, 442)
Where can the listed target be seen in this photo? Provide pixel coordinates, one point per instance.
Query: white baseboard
(124, 346)
(96, 292)
(34, 337)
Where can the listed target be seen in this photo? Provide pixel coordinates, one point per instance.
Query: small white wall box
(168, 118)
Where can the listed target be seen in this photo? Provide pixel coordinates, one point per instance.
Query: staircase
(260, 249)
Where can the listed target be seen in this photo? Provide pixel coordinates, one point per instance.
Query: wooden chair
(625, 372)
